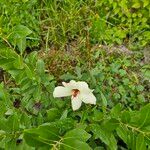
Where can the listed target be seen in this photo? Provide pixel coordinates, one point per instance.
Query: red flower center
(75, 92)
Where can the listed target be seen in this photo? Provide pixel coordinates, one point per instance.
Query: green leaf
(136, 5)
(110, 124)
(40, 67)
(13, 122)
(122, 132)
(21, 43)
(10, 145)
(23, 146)
(48, 133)
(44, 135)
(64, 114)
(29, 72)
(31, 58)
(3, 108)
(140, 142)
(106, 136)
(18, 37)
(104, 100)
(140, 88)
(9, 59)
(146, 3)
(78, 72)
(125, 117)
(75, 144)
(20, 31)
(32, 139)
(122, 72)
(53, 114)
(131, 140)
(9, 112)
(67, 76)
(98, 116)
(99, 148)
(115, 111)
(142, 117)
(3, 125)
(2, 93)
(79, 134)
(76, 139)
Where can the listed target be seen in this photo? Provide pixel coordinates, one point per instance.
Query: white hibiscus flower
(79, 92)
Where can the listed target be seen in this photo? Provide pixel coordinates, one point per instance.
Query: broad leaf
(105, 136)
(18, 37)
(115, 111)
(76, 140)
(140, 142)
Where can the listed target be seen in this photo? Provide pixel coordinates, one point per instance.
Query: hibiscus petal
(76, 103)
(83, 86)
(71, 85)
(88, 98)
(61, 91)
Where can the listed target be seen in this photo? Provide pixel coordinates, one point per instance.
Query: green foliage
(105, 136)
(62, 22)
(105, 21)
(122, 21)
(30, 117)
(16, 18)
(115, 78)
(18, 37)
